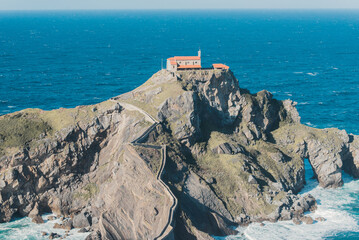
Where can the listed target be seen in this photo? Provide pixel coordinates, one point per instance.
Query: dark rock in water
(296, 221)
(307, 220)
(57, 225)
(66, 224)
(320, 219)
(37, 219)
(82, 230)
(303, 204)
(54, 235)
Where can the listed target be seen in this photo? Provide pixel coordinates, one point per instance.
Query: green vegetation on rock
(17, 130)
(89, 191)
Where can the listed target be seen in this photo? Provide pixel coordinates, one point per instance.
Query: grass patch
(22, 129)
(226, 169)
(16, 131)
(149, 103)
(88, 192)
(152, 157)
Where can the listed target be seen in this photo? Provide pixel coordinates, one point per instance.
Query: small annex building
(219, 66)
(178, 63)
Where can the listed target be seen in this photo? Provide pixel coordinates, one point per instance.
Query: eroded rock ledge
(232, 158)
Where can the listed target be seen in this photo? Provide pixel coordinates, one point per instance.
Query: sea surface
(59, 59)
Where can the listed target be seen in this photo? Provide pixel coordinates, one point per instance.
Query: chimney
(199, 53)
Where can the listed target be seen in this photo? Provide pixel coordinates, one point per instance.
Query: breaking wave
(26, 230)
(335, 205)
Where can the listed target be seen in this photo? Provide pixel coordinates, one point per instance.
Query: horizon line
(177, 9)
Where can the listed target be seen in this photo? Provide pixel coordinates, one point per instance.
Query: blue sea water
(64, 59)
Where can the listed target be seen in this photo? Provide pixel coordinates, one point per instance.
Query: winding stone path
(168, 228)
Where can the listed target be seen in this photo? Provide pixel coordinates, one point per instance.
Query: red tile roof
(220, 65)
(184, 58)
(189, 66)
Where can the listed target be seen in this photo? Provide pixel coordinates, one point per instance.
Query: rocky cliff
(187, 155)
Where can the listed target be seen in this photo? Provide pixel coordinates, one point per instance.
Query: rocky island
(187, 155)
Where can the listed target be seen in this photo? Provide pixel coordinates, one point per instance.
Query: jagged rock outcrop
(325, 149)
(351, 160)
(182, 112)
(232, 158)
(228, 148)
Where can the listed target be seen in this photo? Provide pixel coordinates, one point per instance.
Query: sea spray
(335, 205)
(24, 229)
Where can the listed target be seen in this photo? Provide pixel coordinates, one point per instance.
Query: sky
(173, 4)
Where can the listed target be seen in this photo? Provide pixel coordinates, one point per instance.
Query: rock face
(182, 111)
(228, 148)
(136, 207)
(230, 157)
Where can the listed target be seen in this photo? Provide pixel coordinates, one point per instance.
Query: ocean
(59, 59)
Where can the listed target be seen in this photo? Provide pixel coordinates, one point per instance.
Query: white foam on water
(24, 229)
(331, 206)
(309, 124)
(313, 74)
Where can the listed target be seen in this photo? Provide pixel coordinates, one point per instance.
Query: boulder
(82, 230)
(285, 214)
(320, 219)
(37, 219)
(66, 224)
(296, 221)
(82, 220)
(228, 148)
(54, 235)
(303, 204)
(307, 220)
(35, 211)
(57, 225)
